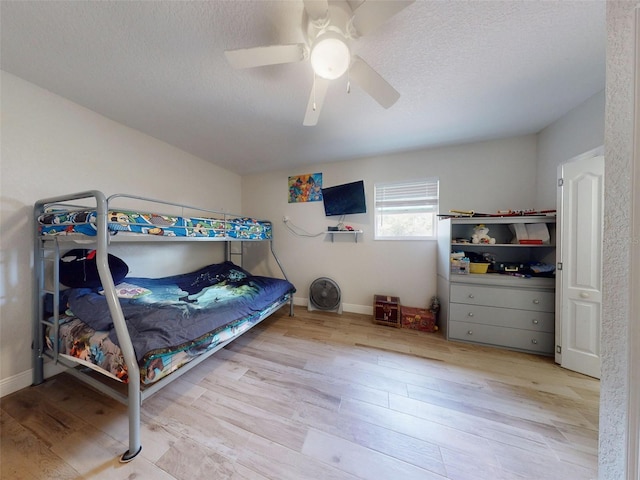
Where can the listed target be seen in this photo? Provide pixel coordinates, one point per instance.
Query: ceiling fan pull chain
(349, 81)
(314, 92)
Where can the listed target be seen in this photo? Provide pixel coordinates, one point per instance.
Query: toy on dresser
(481, 235)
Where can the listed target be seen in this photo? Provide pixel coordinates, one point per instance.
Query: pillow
(211, 275)
(78, 269)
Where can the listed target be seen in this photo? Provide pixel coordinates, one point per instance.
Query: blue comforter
(168, 313)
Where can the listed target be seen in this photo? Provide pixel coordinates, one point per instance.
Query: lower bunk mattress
(170, 320)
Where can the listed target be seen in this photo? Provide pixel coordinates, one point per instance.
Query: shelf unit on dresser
(496, 309)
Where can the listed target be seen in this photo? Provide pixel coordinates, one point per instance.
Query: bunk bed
(130, 336)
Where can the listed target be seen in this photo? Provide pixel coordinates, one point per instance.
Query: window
(406, 210)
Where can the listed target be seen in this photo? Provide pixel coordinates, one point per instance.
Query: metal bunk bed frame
(47, 249)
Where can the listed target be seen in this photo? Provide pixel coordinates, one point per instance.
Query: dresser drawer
(539, 342)
(503, 317)
(522, 299)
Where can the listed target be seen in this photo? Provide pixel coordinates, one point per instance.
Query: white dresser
(496, 309)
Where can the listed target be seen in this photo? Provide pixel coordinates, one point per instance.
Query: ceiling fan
(330, 29)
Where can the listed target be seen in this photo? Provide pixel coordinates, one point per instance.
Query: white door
(579, 282)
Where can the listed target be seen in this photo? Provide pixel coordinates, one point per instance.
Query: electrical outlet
(285, 219)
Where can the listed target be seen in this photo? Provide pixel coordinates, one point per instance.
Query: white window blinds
(415, 196)
(406, 210)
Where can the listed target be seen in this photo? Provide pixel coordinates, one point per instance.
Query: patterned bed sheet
(94, 349)
(170, 320)
(65, 222)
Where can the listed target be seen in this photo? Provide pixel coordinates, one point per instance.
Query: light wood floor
(321, 396)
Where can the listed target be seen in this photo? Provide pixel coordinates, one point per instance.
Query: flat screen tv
(344, 199)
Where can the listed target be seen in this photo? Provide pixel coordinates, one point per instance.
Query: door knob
(584, 295)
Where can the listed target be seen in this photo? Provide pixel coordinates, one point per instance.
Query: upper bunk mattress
(65, 222)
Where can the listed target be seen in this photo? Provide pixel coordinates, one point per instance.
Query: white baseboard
(15, 382)
(25, 379)
(353, 308)
(346, 307)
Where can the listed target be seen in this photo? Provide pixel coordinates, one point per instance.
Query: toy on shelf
(481, 235)
(500, 213)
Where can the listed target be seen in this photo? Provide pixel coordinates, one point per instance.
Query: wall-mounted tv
(346, 199)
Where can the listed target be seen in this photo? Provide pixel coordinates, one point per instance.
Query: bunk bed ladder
(46, 251)
(46, 254)
(237, 254)
(283, 273)
(38, 311)
(230, 253)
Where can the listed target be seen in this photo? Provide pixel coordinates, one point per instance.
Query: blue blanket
(168, 313)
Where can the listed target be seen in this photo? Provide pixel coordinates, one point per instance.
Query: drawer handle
(471, 295)
(470, 314)
(535, 321)
(470, 332)
(536, 301)
(534, 341)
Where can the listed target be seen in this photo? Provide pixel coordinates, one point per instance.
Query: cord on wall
(298, 231)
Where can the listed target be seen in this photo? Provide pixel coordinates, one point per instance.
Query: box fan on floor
(324, 294)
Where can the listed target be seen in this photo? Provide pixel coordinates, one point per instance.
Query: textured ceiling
(466, 71)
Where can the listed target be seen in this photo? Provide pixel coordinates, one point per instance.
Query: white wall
(618, 242)
(579, 131)
(51, 146)
(484, 176)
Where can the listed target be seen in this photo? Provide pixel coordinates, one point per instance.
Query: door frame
(633, 432)
(596, 152)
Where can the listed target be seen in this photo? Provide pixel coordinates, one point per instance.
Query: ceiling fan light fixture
(330, 56)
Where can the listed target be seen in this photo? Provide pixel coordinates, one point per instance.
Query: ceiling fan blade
(316, 100)
(372, 83)
(271, 55)
(316, 9)
(371, 14)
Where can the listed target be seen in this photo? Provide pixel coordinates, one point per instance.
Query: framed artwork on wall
(306, 187)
